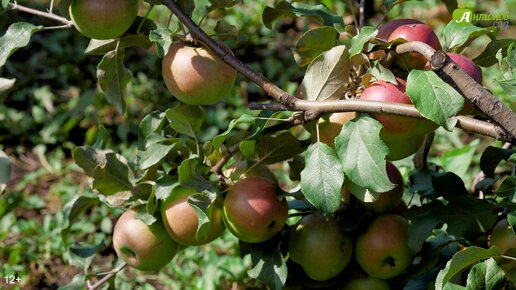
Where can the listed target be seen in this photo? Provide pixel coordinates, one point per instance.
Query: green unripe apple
(504, 238)
(388, 201)
(252, 212)
(147, 248)
(195, 75)
(181, 220)
(382, 250)
(318, 245)
(103, 19)
(366, 283)
(329, 127)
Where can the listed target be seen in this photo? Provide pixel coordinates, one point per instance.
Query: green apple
(329, 127)
(503, 236)
(366, 283)
(388, 201)
(103, 19)
(252, 212)
(147, 248)
(382, 250)
(320, 247)
(181, 220)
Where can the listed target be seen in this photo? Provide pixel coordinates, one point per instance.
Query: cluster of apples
(380, 247)
(402, 130)
(250, 210)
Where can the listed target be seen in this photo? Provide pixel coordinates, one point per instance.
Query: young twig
(106, 278)
(361, 13)
(48, 15)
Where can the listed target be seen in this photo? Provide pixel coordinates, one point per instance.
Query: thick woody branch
(48, 15)
(355, 105)
(450, 72)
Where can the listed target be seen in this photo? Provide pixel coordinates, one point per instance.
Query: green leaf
(192, 174)
(455, 36)
(89, 158)
(154, 154)
(204, 204)
(5, 170)
(422, 222)
(72, 210)
(165, 185)
(269, 266)
(314, 42)
(5, 3)
(6, 84)
(458, 160)
(83, 256)
(103, 139)
(162, 37)
(511, 54)
(112, 177)
(187, 6)
(322, 178)
(150, 124)
(186, 119)
(113, 78)
(511, 218)
(461, 261)
(448, 184)
(433, 98)
(486, 275)
(225, 30)
(219, 4)
(507, 188)
(509, 86)
(450, 5)
(358, 41)
(243, 119)
(77, 283)
(284, 8)
(17, 36)
(381, 73)
(362, 153)
(488, 57)
(272, 149)
(469, 216)
(491, 157)
(327, 76)
(101, 47)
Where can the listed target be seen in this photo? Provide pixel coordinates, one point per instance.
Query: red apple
(385, 31)
(414, 32)
(252, 212)
(402, 135)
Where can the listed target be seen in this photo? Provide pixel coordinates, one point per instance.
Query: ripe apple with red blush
(402, 135)
(252, 211)
(414, 32)
(385, 31)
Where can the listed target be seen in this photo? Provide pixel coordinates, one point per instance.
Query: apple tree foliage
(449, 224)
